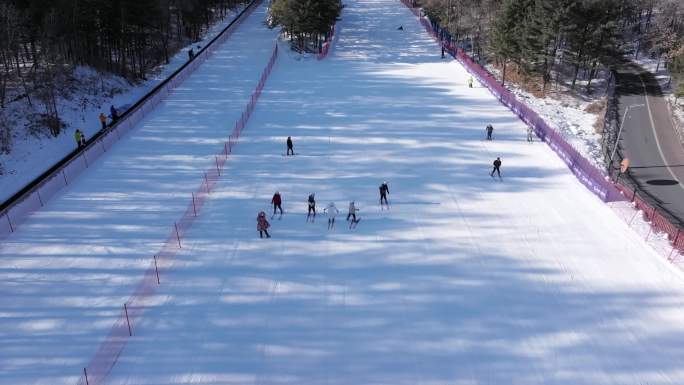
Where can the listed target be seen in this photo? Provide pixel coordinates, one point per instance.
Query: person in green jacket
(78, 136)
(470, 82)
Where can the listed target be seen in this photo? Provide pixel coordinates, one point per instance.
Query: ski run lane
(65, 274)
(464, 280)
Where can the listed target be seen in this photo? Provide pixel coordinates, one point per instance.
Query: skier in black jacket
(497, 165)
(312, 207)
(384, 190)
(289, 146)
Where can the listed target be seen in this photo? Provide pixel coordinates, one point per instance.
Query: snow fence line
(657, 222)
(592, 178)
(48, 185)
(144, 297)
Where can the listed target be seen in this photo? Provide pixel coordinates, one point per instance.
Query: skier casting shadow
(384, 190)
(290, 149)
(497, 165)
(332, 211)
(490, 130)
(277, 204)
(312, 208)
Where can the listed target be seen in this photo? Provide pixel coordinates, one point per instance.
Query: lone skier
(277, 201)
(470, 82)
(290, 149)
(384, 190)
(497, 165)
(530, 134)
(262, 225)
(312, 207)
(490, 130)
(332, 211)
(442, 52)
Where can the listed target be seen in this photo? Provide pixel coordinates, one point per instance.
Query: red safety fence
(594, 179)
(16, 213)
(143, 297)
(658, 222)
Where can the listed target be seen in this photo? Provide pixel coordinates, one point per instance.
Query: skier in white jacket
(332, 212)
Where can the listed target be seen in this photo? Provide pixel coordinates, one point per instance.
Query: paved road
(650, 142)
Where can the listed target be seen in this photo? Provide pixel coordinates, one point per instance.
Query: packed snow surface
(466, 279)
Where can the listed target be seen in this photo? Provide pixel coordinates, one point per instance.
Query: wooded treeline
(564, 40)
(307, 22)
(39, 39)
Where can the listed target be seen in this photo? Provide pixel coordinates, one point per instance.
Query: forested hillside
(562, 40)
(43, 41)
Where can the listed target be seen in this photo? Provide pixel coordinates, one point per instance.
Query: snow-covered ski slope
(66, 272)
(465, 280)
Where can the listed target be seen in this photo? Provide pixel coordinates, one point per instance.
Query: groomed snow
(67, 271)
(466, 280)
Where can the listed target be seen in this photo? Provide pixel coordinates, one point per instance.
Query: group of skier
(330, 210)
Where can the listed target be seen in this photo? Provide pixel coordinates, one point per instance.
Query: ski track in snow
(465, 280)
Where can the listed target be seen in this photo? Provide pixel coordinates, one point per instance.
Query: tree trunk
(636, 52)
(591, 76)
(574, 78)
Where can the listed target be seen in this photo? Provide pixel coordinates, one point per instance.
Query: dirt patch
(598, 108)
(525, 82)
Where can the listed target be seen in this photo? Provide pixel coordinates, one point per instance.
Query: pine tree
(305, 21)
(505, 42)
(543, 36)
(605, 42)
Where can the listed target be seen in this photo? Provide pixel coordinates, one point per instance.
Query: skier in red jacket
(277, 201)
